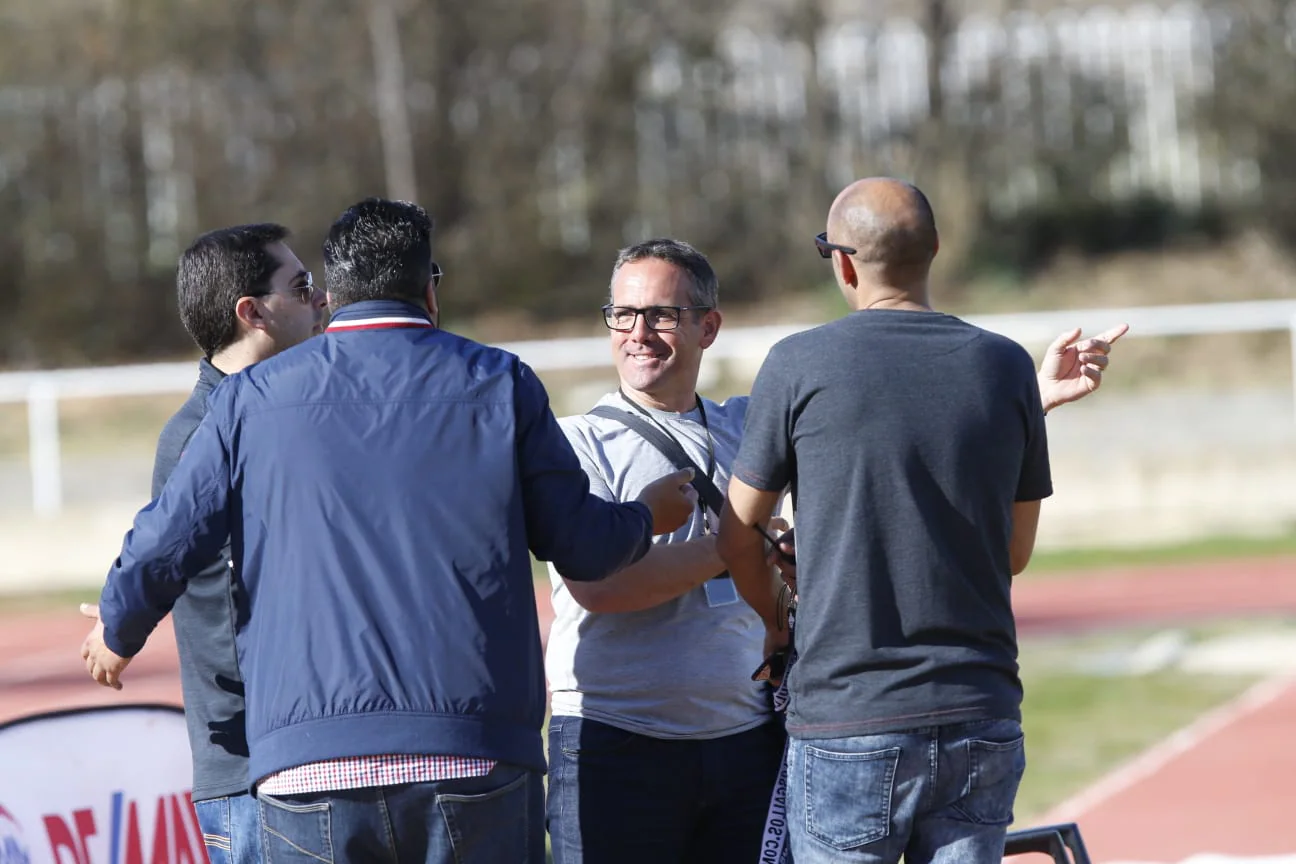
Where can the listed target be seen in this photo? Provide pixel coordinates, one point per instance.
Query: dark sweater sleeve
(584, 536)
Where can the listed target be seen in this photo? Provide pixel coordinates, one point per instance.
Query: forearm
(669, 570)
(752, 576)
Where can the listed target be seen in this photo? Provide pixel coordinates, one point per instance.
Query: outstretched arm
(173, 539)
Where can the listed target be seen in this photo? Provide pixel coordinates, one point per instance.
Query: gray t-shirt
(679, 670)
(906, 437)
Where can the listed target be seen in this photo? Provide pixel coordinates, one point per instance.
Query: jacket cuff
(120, 647)
(646, 542)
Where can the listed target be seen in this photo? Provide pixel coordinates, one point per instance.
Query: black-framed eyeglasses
(437, 273)
(623, 318)
(826, 249)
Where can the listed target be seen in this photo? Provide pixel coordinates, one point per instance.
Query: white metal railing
(42, 390)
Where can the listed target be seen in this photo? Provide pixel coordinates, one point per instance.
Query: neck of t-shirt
(659, 408)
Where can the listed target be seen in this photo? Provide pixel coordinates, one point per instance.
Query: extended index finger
(1111, 335)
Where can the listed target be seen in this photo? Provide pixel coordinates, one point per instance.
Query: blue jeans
(616, 797)
(496, 819)
(231, 829)
(942, 795)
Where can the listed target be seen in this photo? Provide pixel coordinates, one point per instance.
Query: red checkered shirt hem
(361, 772)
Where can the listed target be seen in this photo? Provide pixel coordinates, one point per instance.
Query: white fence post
(1293, 361)
(43, 435)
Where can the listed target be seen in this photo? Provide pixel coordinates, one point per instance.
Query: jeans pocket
(214, 821)
(295, 832)
(489, 826)
(995, 770)
(848, 796)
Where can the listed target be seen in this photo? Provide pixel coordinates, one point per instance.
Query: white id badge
(720, 591)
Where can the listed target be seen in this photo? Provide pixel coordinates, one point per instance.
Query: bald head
(888, 222)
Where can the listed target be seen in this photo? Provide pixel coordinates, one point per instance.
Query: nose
(641, 332)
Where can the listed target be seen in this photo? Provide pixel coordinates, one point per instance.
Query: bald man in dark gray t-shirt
(915, 448)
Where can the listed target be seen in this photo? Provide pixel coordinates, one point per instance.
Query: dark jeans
(620, 798)
(231, 829)
(496, 819)
(942, 795)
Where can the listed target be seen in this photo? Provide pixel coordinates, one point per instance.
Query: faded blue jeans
(231, 828)
(496, 819)
(941, 795)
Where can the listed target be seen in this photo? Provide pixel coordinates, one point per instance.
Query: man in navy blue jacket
(381, 486)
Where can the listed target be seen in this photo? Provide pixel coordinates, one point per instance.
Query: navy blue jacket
(380, 488)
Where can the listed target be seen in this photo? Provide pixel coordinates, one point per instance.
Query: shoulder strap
(670, 448)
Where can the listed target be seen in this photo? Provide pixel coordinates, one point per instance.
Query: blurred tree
(543, 137)
(1248, 118)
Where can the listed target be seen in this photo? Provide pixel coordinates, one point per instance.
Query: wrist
(1046, 397)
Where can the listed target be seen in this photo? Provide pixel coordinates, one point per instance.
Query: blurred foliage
(544, 136)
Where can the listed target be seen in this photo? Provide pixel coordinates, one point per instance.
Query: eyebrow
(302, 276)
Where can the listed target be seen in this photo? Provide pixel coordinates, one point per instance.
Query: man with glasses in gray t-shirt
(661, 747)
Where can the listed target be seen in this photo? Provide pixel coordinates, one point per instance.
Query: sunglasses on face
(437, 273)
(303, 292)
(623, 318)
(826, 249)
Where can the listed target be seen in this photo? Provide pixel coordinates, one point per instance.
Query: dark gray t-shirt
(906, 437)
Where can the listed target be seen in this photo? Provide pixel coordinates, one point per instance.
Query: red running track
(1226, 785)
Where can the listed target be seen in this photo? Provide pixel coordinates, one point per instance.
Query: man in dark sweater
(243, 296)
(915, 448)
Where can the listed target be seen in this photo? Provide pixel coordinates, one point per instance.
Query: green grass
(1050, 562)
(1081, 725)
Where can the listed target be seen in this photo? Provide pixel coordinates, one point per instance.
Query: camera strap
(674, 453)
(671, 449)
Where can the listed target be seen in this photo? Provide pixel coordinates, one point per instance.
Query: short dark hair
(215, 271)
(705, 288)
(379, 250)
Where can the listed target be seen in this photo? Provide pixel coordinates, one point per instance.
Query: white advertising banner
(98, 786)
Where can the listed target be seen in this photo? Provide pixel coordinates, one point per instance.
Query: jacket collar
(379, 314)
